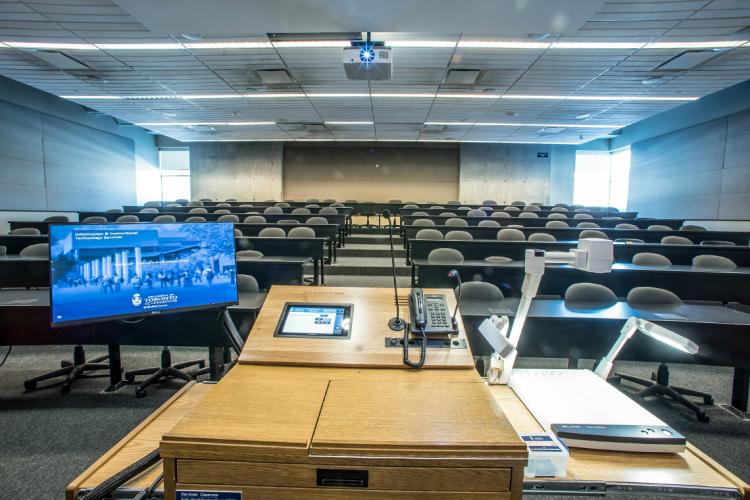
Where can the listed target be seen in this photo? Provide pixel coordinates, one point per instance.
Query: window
(174, 167)
(601, 178)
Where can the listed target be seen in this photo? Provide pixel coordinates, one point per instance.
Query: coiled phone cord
(422, 351)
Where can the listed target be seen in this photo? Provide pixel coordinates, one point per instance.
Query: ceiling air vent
(59, 60)
(687, 60)
(462, 76)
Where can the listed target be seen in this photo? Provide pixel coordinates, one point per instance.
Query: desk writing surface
(372, 308)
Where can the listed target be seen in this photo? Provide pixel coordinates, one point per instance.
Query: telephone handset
(429, 317)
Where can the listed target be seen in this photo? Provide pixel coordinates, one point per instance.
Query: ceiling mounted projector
(368, 61)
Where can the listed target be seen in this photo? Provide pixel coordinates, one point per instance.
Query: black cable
(422, 351)
(111, 484)
(10, 348)
(149, 492)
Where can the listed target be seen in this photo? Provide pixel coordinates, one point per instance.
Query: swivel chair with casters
(166, 370)
(71, 370)
(658, 299)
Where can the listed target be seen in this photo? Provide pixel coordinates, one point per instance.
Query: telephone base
(431, 343)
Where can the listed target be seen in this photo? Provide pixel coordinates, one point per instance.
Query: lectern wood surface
(366, 346)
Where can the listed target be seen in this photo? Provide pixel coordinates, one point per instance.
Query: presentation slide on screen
(113, 270)
(301, 320)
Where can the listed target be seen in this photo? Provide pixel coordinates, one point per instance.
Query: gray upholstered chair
(94, 219)
(128, 218)
(650, 259)
(328, 211)
(587, 225)
(149, 210)
(224, 205)
(658, 227)
(437, 207)
(247, 205)
(272, 232)
(487, 203)
(488, 223)
(456, 222)
(720, 243)
(629, 240)
(288, 221)
(500, 215)
(498, 259)
(254, 219)
(583, 216)
(559, 209)
(301, 232)
(229, 218)
(510, 234)
(518, 203)
(582, 210)
(395, 200)
(423, 222)
(592, 233)
(531, 208)
(312, 205)
(458, 236)
(231, 199)
(542, 237)
(528, 215)
(713, 262)
(410, 206)
(238, 233)
(316, 220)
(337, 205)
(476, 213)
(447, 214)
(313, 200)
(194, 203)
(625, 225)
(164, 219)
(676, 240)
(35, 251)
(511, 208)
(26, 231)
(558, 216)
(420, 213)
(195, 218)
(301, 211)
(273, 210)
(115, 211)
(556, 224)
(445, 255)
(589, 296)
(429, 234)
(249, 254)
(222, 211)
(57, 218)
(454, 202)
(152, 204)
(653, 299)
(198, 210)
(173, 205)
(282, 205)
(692, 227)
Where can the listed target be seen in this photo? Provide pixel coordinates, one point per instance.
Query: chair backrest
(518, 203)
(254, 219)
(282, 204)
(447, 214)
(446, 255)
(272, 232)
(249, 254)
(542, 237)
(456, 222)
(194, 203)
(437, 207)
(94, 219)
(149, 210)
(588, 225)
(532, 208)
(459, 235)
(273, 210)
(658, 227)
(337, 205)
(476, 213)
(625, 225)
(556, 224)
(583, 216)
(152, 204)
(231, 199)
(487, 203)
(479, 290)
(205, 199)
(247, 205)
(429, 234)
(247, 283)
(650, 259)
(198, 210)
(557, 216)
(238, 233)
(676, 240)
(420, 214)
(347, 202)
(589, 295)
(582, 210)
(312, 205)
(225, 205)
(528, 215)
(165, 219)
(328, 211)
(511, 234)
(498, 259)
(511, 209)
(316, 220)
(313, 200)
(115, 211)
(558, 209)
(692, 227)
(500, 215)
(488, 210)
(196, 218)
(301, 232)
(57, 218)
(301, 211)
(464, 208)
(654, 299)
(222, 211)
(288, 221)
(395, 200)
(37, 251)
(713, 262)
(592, 233)
(229, 218)
(128, 218)
(26, 231)
(423, 222)
(172, 205)
(488, 223)
(456, 202)
(721, 243)
(629, 240)
(410, 206)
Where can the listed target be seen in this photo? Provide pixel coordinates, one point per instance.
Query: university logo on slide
(136, 299)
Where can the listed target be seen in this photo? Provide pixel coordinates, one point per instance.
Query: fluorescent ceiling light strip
(716, 44)
(207, 124)
(501, 124)
(92, 97)
(448, 95)
(229, 45)
(597, 97)
(210, 96)
(349, 123)
(51, 45)
(597, 45)
(274, 94)
(312, 43)
(343, 94)
(428, 44)
(140, 46)
(498, 44)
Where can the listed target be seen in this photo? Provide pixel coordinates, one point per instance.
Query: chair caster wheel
(702, 417)
(29, 386)
(140, 393)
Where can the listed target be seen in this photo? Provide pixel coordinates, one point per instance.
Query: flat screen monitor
(108, 271)
(301, 319)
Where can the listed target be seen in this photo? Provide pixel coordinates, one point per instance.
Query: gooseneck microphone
(454, 274)
(396, 323)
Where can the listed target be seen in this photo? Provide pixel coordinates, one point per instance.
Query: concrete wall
(56, 156)
(562, 174)
(505, 172)
(241, 170)
(371, 173)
